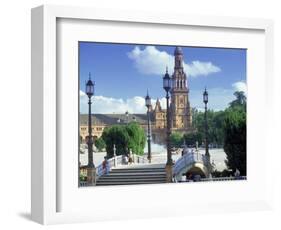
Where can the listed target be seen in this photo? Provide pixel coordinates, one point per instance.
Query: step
(139, 167)
(142, 166)
(136, 170)
(132, 175)
(136, 173)
(131, 179)
(129, 183)
(132, 182)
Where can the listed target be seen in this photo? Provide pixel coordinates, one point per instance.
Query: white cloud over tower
(150, 61)
(102, 104)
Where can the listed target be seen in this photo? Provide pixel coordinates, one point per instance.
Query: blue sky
(123, 73)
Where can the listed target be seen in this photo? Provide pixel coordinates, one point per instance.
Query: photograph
(152, 114)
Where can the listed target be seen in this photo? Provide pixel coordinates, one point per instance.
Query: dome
(178, 51)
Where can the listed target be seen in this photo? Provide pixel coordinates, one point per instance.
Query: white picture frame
(46, 184)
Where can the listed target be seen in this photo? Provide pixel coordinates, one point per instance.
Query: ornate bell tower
(180, 106)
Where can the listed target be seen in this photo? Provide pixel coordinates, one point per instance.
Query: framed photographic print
(138, 109)
(124, 124)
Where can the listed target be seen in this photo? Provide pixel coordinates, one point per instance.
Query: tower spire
(181, 111)
(158, 105)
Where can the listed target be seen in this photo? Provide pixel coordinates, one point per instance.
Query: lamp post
(114, 155)
(148, 105)
(127, 117)
(167, 86)
(207, 154)
(91, 171)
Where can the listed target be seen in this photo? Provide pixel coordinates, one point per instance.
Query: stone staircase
(134, 174)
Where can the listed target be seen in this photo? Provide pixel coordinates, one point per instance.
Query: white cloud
(240, 86)
(105, 105)
(219, 98)
(150, 60)
(197, 68)
(153, 61)
(82, 94)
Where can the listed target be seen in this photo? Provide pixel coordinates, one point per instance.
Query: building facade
(181, 116)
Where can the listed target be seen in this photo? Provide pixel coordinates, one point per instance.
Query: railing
(113, 163)
(119, 160)
(83, 183)
(188, 159)
(139, 159)
(218, 179)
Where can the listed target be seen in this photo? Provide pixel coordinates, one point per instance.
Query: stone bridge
(191, 162)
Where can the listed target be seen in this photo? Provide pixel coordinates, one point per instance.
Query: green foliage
(215, 127)
(124, 137)
(191, 138)
(176, 139)
(137, 138)
(100, 144)
(235, 138)
(117, 135)
(227, 128)
(240, 100)
(224, 173)
(83, 177)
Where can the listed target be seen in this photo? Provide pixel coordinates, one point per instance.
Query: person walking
(237, 174)
(105, 166)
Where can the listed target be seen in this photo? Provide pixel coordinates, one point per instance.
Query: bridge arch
(191, 162)
(195, 169)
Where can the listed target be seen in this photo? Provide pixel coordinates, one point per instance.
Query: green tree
(100, 144)
(240, 99)
(235, 138)
(117, 135)
(216, 131)
(176, 139)
(215, 126)
(125, 137)
(192, 138)
(137, 138)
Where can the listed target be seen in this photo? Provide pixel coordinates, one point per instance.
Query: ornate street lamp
(91, 167)
(207, 154)
(167, 86)
(148, 105)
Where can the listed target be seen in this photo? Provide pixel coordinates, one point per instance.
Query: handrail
(112, 162)
(224, 178)
(118, 160)
(218, 179)
(139, 159)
